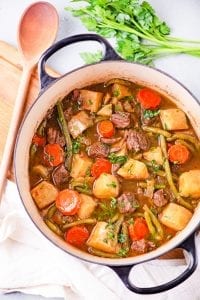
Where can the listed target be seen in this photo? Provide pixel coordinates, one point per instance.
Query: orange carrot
(148, 98)
(68, 202)
(53, 155)
(100, 166)
(38, 140)
(138, 230)
(106, 128)
(77, 235)
(178, 154)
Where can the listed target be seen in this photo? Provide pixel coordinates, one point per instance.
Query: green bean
(169, 174)
(79, 222)
(53, 227)
(126, 244)
(189, 146)
(138, 214)
(117, 226)
(115, 218)
(51, 211)
(83, 190)
(156, 223)
(157, 131)
(65, 131)
(41, 128)
(186, 137)
(149, 224)
(101, 253)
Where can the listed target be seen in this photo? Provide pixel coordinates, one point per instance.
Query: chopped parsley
(76, 145)
(122, 238)
(112, 184)
(116, 93)
(114, 159)
(149, 114)
(155, 166)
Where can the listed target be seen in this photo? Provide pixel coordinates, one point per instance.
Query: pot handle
(109, 53)
(188, 245)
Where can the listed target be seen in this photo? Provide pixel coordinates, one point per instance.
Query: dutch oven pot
(111, 66)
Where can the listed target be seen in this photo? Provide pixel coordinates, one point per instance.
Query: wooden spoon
(36, 32)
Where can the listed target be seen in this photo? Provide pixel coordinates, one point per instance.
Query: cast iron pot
(111, 66)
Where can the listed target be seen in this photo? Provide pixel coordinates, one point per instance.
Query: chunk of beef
(162, 197)
(98, 149)
(142, 246)
(111, 140)
(60, 175)
(137, 141)
(121, 119)
(68, 112)
(54, 136)
(76, 95)
(139, 246)
(127, 203)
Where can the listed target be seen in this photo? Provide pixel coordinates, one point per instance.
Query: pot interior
(80, 78)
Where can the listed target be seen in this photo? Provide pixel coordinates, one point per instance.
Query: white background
(181, 15)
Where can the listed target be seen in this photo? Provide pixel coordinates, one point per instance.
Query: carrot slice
(106, 128)
(53, 155)
(100, 166)
(77, 235)
(68, 202)
(178, 154)
(148, 98)
(38, 140)
(138, 230)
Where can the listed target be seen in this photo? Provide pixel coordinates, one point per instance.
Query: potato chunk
(189, 184)
(81, 163)
(100, 238)
(154, 154)
(44, 194)
(175, 216)
(106, 186)
(87, 206)
(133, 169)
(120, 91)
(91, 100)
(105, 111)
(79, 123)
(173, 119)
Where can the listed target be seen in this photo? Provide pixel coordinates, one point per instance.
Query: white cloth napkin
(31, 264)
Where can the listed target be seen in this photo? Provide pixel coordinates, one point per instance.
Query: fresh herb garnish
(122, 238)
(116, 93)
(76, 145)
(131, 23)
(90, 58)
(155, 166)
(123, 252)
(114, 159)
(112, 184)
(149, 114)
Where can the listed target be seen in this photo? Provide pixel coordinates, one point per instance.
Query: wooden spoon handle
(14, 125)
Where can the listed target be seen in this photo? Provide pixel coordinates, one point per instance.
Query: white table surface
(181, 15)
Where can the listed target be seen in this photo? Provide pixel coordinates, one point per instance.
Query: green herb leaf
(114, 159)
(149, 114)
(90, 58)
(76, 145)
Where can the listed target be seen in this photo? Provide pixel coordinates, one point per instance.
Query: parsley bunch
(140, 34)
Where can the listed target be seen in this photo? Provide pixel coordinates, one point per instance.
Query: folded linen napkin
(31, 264)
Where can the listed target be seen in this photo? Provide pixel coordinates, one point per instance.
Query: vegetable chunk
(101, 238)
(81, 163)
(189, 184)
(87, 206)
(79, 123)
(154, 154)
(91, 100)
(133, 169)
(120, 91)
(175, 216)
(44, 194)
(106, 186)
(105, 111)
(173, 119)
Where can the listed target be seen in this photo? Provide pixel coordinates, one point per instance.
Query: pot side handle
(188, 245)
(109, 53)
